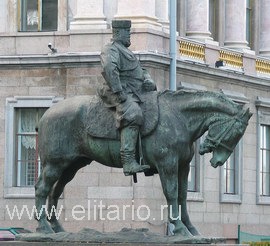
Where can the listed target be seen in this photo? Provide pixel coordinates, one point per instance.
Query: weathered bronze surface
(74, 132)
(66, 145)
(125, 83)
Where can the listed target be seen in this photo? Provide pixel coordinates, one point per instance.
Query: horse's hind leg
(42, 188)
(67, 175)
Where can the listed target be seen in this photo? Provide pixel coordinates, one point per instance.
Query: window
(263, 150)
(38, 15)
(231, 177)
(26, 162)
(231, 171)
(194, 177)
(21, 159)
(264, 160)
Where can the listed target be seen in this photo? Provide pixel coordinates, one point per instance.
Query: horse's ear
(248, 113)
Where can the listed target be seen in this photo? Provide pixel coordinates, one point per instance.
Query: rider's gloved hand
(122, 96)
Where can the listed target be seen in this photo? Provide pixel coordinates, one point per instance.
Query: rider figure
(125, 81)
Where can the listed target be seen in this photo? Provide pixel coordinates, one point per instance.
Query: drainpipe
(172, 13)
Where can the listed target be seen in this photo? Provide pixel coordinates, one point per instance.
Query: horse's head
(223, 136)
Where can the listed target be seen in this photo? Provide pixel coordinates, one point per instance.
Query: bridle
(236, 123)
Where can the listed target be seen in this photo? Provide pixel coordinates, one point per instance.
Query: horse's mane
(212, 99)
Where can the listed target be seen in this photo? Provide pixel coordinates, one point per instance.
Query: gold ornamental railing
(192, 50)
(262, 66)
(231, 59)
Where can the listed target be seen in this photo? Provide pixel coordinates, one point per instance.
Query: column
(162, 13)
(197, 25)
(235, 24)
(89, 15)
(140, 12)
(264, 42)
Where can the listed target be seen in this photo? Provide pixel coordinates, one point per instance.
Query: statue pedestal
(16, 243)
(125, 237)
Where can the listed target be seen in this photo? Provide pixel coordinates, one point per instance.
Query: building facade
(223, 46)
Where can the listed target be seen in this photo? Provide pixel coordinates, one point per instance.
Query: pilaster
(89, 15)
(140, 12)
(162, 13)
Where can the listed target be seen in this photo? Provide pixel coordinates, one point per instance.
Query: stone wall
(70, 75)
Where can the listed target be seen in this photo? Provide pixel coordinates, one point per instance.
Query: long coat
(123, 73)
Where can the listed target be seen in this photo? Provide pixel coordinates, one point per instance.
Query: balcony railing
(231, 59)
(192, 50)
(263, 66)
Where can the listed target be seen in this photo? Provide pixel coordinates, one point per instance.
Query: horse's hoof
(183, 231)
(44, 227)
(194, 231)
(58, 228)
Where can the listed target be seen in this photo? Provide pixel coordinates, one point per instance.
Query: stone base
(15, 243)
(126, 236)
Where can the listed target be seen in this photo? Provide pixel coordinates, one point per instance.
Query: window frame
(237, 196)
(39, 25)
(237, 154)
(12, 103)
(263, 118)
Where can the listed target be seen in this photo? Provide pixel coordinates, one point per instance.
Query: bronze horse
(184, 116)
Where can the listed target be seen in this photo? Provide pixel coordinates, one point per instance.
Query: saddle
(102, 123)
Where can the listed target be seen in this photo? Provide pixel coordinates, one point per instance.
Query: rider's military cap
(121, 24)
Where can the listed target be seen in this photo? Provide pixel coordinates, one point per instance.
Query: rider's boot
(129, 136)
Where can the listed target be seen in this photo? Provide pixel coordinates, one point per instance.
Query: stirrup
(135, 169)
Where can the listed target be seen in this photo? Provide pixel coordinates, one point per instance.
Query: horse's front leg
(182, 198)
(42, 189)
(169, 180)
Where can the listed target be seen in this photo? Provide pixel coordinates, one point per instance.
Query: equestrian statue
(131, 125)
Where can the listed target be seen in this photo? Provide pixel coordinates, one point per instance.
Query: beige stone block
(45, 91)
(264, 219)
(108, 192)
(250, 187)
(78, 42)
(212, 217)
(84, 180)
(96, 167)
(251, 218)
(114, 179)
(212, 207)
(229, 218)
(37, 81)
(196, 217)
(7, 45)
(211, 184)
(144, 192)
(13, 90)
(35, 44)
(78, 192)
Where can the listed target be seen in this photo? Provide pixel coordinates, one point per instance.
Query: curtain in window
(28, 124)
